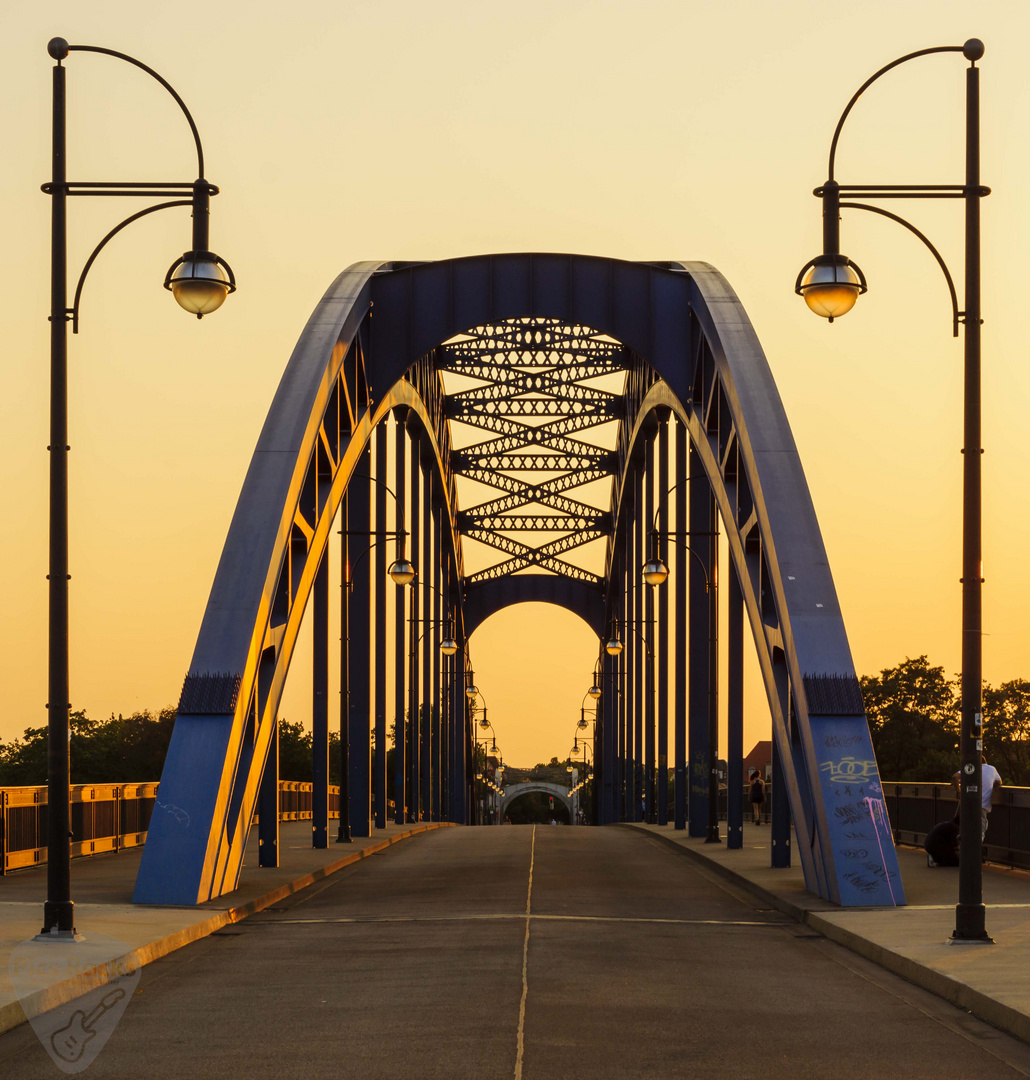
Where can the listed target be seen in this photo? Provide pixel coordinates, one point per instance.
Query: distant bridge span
(516, 791)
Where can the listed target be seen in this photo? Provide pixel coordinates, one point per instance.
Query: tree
(114, 751)
(1006, 729)
(913, 720)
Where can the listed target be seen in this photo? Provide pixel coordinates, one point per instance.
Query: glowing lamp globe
(830, 289)
(655, 572)
(199, 282)
(401, 572)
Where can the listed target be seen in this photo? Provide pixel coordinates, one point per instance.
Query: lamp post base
(58, 921)
(969, 925)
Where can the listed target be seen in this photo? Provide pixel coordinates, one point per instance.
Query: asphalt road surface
(422, 962)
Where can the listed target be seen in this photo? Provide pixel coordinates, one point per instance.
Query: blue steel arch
(304, 460)
(684, 321)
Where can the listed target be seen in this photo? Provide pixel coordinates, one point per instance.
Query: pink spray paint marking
(876, 807)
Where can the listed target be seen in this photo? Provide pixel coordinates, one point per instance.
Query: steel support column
(622, 765)
(680, 614)
(649, 638)
(639, 652)
(320, 707)
(664, 653)
(343, 828)
(712, 832)
(400, 614)
(734, 713)
(780, 818)
(268, 804)
(382, 553)
(414, 711)
(699, 498)
(359, 681)
(427, 574)
(437, 772)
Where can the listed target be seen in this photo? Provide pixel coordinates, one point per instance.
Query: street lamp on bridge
(199, 281)
(830, 284)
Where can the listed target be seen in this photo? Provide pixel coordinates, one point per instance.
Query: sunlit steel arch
(657, 311)
(277, 538)
(737, 424)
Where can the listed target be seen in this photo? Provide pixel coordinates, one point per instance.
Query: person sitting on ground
(990, 779)
(941, 844)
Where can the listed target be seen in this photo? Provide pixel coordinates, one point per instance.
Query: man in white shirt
(989, 780)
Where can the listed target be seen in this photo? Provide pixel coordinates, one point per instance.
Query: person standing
(757, 795)
(990, 779)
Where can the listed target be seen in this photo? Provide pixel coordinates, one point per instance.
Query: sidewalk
(102, 890)
(990, 981)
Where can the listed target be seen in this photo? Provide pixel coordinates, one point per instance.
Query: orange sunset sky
(636, 129)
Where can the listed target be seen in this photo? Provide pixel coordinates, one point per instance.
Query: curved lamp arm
(872, 78)
(700, 562)
(164, 82)
(955, 313)
(658, 508)
(103, 243)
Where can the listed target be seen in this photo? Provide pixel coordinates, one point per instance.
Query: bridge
(572, 370)
(554, 791)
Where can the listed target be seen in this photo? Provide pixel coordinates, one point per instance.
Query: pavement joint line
(487, 917)
(16, 1012)
(997, 1013)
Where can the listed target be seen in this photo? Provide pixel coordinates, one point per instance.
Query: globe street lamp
(830, 285)
(200, 281)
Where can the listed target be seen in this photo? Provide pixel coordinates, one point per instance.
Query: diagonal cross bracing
(534, 395)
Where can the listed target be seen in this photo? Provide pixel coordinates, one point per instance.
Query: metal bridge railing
(914, 809)
(108, 817)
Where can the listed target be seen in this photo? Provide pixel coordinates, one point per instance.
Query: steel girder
(699, 358)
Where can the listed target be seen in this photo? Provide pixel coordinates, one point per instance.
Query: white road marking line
(543, 918)
(520, 1038)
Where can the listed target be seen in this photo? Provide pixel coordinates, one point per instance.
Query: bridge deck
(635, 962)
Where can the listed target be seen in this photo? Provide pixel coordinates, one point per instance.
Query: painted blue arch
(684, 321)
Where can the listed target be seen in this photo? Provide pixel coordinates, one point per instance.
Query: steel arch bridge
(559, 376)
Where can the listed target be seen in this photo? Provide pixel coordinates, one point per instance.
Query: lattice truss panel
(533, 396)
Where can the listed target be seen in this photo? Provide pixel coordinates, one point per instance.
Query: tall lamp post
(200, 282)
(830, 285)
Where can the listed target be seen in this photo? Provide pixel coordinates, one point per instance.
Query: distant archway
(517, 791)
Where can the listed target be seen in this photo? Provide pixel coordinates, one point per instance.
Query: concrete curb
(14, 1013)
(951, 990)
